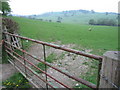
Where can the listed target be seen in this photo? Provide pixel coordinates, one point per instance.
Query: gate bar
(28, 68)
(38, 68)
(70, 76)
(58, 47)
(22, 72)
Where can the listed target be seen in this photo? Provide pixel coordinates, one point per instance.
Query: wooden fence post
(110, 71)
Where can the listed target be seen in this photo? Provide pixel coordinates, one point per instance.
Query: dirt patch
(7, 70)
(67, 62)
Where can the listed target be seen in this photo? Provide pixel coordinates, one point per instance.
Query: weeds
(49, 59)
(91, 74)
(52, 57)
(16, 81)
(61, 56)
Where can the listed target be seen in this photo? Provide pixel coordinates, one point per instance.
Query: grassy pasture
(102, 38)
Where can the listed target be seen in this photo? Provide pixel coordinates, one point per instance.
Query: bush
(11, 25)
(91, 21)
(112, 22)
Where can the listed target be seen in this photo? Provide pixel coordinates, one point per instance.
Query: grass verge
(16, 81)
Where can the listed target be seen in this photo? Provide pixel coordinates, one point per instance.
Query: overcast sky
(27, 7)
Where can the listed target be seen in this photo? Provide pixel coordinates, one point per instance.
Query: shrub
(91, 21)
(11, 25)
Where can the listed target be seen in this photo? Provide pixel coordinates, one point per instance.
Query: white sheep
(90, 29)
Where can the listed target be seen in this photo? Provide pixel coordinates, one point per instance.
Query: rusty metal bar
(39, 68)
(22, 72)
(59, 47)
(24, 57)
(70, 76)
(28, 68)
(45, 64)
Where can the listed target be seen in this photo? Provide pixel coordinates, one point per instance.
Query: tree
(59, 19)
(5, 8)
(103, 21)
(91, 21)
(50, 20)
(112, 22)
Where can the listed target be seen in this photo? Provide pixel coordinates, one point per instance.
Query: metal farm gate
(24, 66)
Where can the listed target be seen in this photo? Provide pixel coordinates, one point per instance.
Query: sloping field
(100, 38)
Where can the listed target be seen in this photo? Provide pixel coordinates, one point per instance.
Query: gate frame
(99, 58)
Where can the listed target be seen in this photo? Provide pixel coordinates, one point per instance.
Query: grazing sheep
(90, 29)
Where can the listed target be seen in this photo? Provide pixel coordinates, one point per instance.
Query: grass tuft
(50, 59)
(16, 81)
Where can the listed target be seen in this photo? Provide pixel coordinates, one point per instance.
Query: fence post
(110, 72)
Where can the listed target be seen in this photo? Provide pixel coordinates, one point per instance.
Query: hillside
(102, 38)
(75, 16)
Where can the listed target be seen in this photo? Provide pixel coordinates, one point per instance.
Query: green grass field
(100, 39)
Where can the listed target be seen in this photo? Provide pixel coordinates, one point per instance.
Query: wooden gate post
(110, 71)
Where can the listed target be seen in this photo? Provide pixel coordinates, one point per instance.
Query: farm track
(64, 61)
(70, 63)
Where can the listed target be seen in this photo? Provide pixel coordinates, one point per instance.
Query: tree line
(106, 22)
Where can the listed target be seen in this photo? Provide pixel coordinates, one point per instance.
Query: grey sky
(26, 7)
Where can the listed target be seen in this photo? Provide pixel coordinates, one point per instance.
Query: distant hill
(74, 16)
